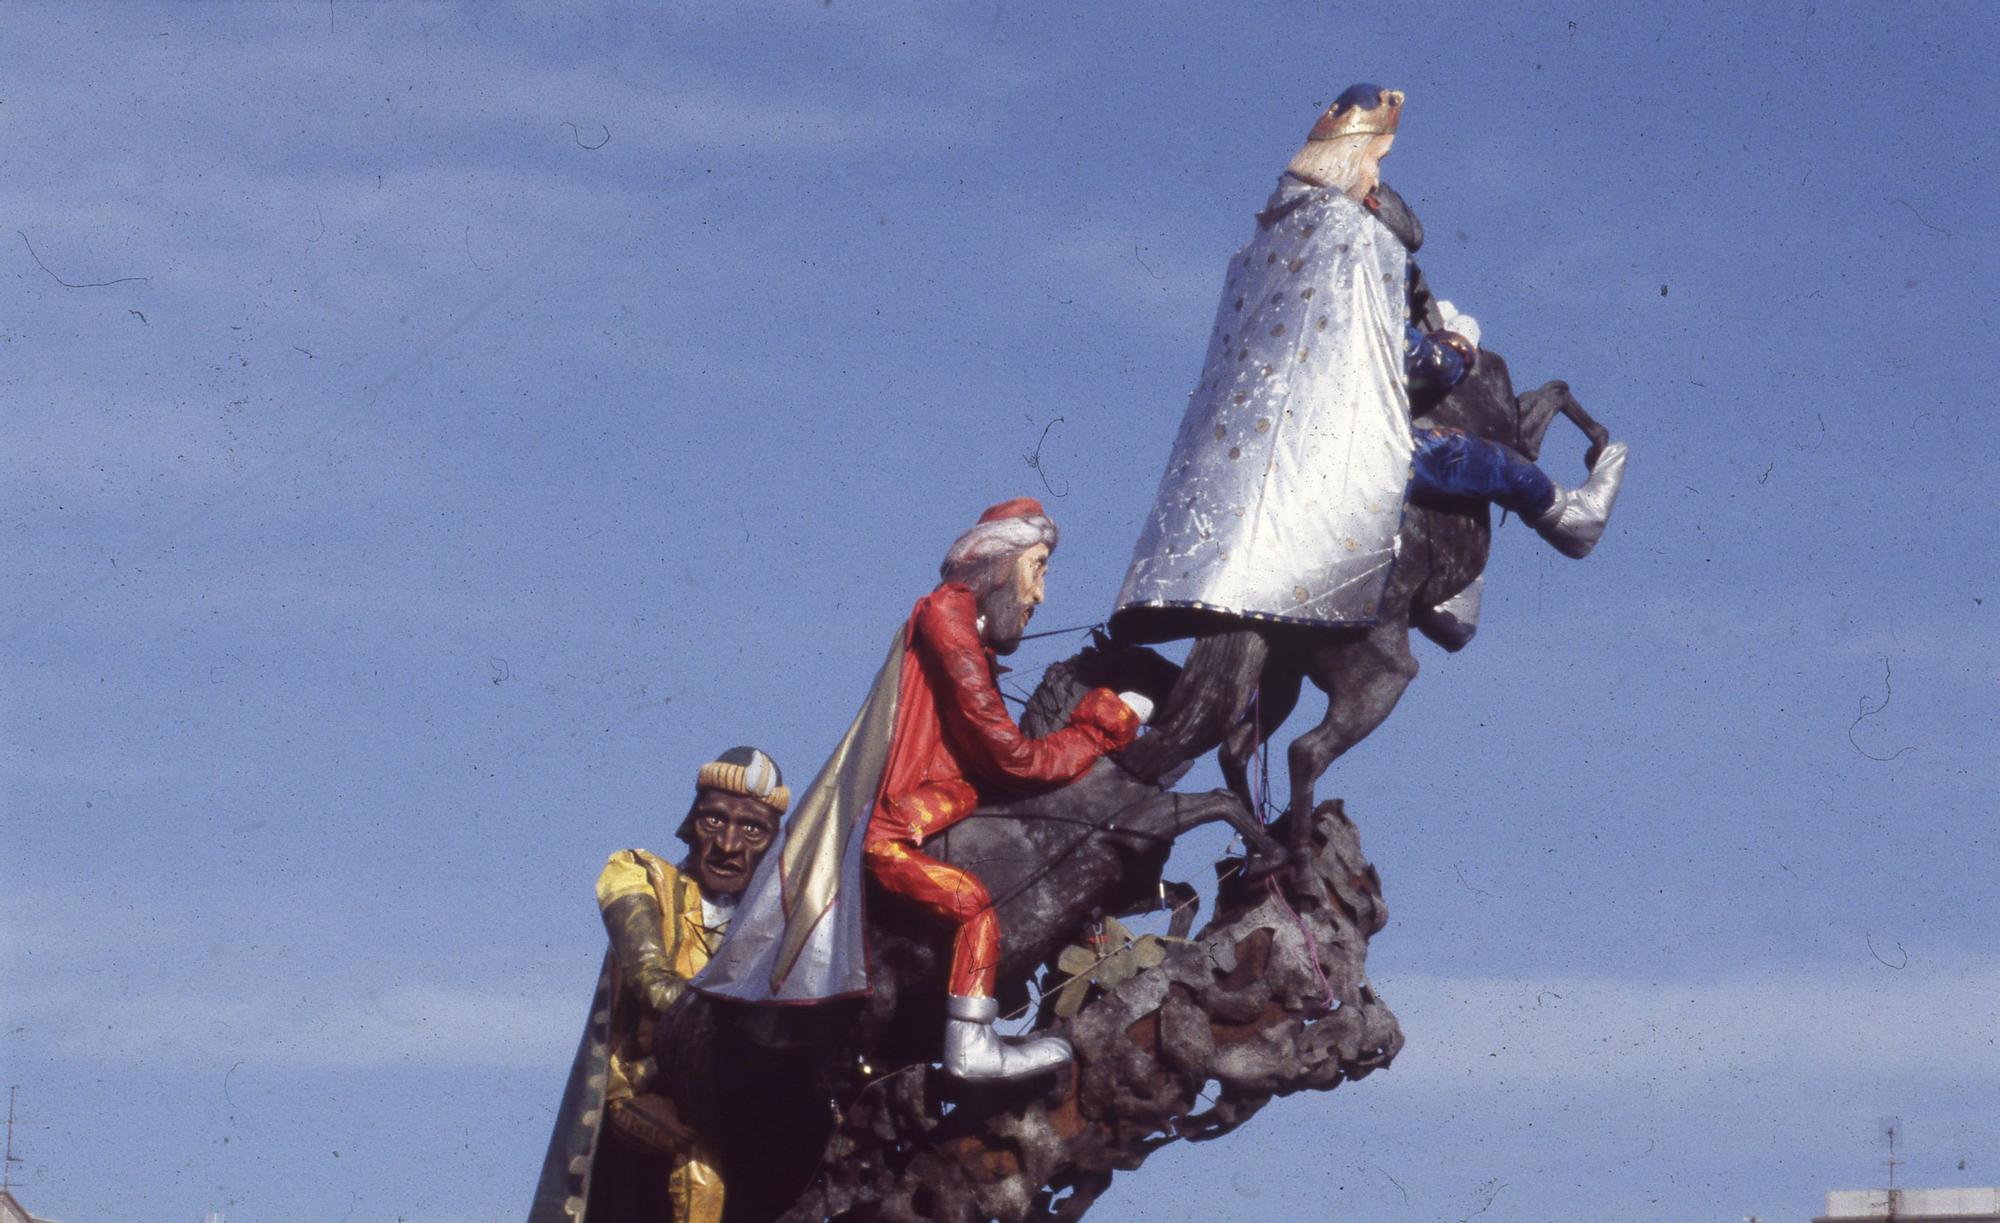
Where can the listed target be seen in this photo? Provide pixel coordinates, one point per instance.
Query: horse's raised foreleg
(1363, 680)
(1277, 696)
(1214, 688)
(1163, 818)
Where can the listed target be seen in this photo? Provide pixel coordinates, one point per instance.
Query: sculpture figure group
(1327, 492)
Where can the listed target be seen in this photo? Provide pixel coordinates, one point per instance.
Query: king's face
(1031, 570)
(730, 834)
(1368, 175)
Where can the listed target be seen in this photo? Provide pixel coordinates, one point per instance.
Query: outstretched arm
(975, 719)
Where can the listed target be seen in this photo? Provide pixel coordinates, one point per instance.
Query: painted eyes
(714, 824)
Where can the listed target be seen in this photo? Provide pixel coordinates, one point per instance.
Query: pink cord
(1312, 947)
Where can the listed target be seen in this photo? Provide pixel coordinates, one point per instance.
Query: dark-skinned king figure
(932, 740)
(664, 923)
(1284, 492)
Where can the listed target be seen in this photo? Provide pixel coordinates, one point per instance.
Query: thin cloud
(1112, 271)
(366, 1023)
(1926, 1021)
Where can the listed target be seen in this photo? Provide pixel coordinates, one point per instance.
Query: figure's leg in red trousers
(954, 895)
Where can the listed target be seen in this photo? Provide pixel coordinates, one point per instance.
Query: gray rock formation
(1188, 1049)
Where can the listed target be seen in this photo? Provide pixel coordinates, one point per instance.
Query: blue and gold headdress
(1361, 110)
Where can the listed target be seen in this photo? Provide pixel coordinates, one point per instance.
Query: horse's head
(1101, 664)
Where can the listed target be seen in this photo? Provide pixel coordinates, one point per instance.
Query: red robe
(954, 743)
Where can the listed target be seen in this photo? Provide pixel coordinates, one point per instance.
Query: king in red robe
(933, 739)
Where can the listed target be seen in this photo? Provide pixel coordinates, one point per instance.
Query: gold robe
(612, 1065)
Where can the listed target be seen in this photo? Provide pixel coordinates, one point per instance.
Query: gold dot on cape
(1278, 330)
(1236, 452)
(1243, 355)
(1296, 264)
(1268, 372)
(1307, 232)
(1304, 353)
(1321, 326)
(1305, 294)
(1239, 303)
(1263, 424)
(1298, 594)
(1270, 258)
(1220, 433)
(1239, 397)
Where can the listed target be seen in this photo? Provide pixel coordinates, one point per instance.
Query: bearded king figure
(933, 739)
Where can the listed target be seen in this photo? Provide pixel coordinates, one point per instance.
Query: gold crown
(1354, 121)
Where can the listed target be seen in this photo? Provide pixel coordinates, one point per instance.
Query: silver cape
(1284, 493)
(797, 935)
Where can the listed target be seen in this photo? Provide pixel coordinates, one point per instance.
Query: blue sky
(516, 406)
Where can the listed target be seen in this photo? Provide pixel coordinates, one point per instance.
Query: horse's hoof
(1263, 863)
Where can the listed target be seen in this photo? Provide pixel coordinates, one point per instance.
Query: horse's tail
(1214, 688)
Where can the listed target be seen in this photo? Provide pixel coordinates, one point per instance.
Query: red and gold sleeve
(976, 724)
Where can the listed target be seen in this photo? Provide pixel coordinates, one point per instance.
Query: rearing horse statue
(1243, 679)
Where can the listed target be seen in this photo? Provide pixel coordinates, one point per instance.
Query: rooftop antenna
(1895, 1202)
(7, 1181)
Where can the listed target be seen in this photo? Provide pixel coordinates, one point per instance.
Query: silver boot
(1576, 521)
(973, 1051)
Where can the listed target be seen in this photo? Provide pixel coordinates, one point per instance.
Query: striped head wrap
(1006, 528)
(745, 770)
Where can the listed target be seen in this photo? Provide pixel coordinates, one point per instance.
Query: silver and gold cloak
(797, 936)
(1284, 493)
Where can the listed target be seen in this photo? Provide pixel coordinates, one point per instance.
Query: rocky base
(1189, 1048)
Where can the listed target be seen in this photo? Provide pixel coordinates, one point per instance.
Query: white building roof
(12, 1211)
(1913, 1205)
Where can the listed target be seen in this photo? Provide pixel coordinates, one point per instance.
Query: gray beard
(1006, 619)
